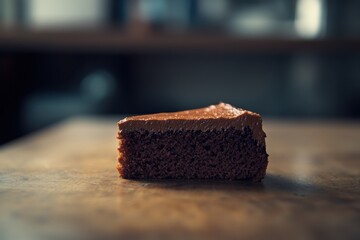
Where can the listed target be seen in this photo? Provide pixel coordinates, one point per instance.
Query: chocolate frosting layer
(221, 116)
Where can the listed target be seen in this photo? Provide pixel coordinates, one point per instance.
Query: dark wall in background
(281, 58)
(281, 85)
(39, 89)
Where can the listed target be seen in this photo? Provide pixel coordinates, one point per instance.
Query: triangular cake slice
(216, 142)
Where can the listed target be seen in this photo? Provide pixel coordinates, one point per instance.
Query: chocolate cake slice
(216, 142)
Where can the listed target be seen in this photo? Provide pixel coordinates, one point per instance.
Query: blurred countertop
(123, 41)
(62, 183)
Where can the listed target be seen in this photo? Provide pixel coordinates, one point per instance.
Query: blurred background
(281, 58)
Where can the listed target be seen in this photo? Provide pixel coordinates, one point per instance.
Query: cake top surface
(215, 117)
(221, 110)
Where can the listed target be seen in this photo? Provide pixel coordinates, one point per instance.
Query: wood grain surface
(61, 183)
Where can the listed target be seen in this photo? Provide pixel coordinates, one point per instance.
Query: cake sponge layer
(191, 154)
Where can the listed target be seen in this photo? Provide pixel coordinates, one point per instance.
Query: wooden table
(61, 183)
